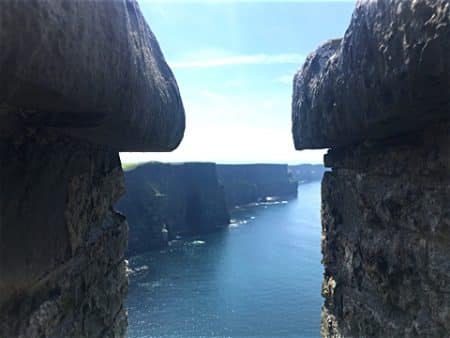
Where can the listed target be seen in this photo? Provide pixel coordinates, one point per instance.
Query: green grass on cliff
(129, 166)
(134, 165)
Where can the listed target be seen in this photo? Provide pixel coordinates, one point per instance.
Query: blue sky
(234, 63)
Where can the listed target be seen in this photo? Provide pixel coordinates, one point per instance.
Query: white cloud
(230, 60)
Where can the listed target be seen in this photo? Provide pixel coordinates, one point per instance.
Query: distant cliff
(249, 183)
(184, 199)
(164, 200)
(306, 172)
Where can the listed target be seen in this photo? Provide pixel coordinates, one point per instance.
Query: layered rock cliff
(303, 173)
(164, 200)
(248, 183)
(379, 98)
(184, 199)
(80, 80)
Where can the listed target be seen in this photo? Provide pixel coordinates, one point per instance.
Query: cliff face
(186, 199)
(193, 198)
(379, 98)
(306, 172)
(249, 183)
(79, 81)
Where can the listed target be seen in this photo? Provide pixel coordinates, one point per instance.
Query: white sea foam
(197, 242)
(131, 271)
(141, 268)
(235, 222)
(149, 285)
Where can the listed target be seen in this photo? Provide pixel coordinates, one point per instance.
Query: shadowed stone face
(92, 69)
(62, 246)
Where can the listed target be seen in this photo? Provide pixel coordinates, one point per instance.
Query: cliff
(306, 172)
(185, 199)
(379, 99)
(248, 183)
(80, 80)
(193, 198)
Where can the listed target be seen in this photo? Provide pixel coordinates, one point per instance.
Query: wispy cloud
(233, 60)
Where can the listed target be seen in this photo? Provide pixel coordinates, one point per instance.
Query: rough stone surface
(386, 238)
(379, 98)
(80, 81)
(186, 199)
(389, 74)
(62, 270)
(90, 68)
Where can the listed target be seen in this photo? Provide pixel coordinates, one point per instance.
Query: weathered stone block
(92, 69)
(379, 98)
(62, 246)
(389, 74)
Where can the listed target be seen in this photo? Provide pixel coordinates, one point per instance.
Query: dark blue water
(259, 278)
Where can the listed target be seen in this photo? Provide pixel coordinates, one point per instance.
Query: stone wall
(386, 237)
(79, 81)
(62, 270)
(379, 99)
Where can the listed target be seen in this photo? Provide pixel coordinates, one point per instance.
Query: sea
(259, 278)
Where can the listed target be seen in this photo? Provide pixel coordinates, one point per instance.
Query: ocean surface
(261, 277)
